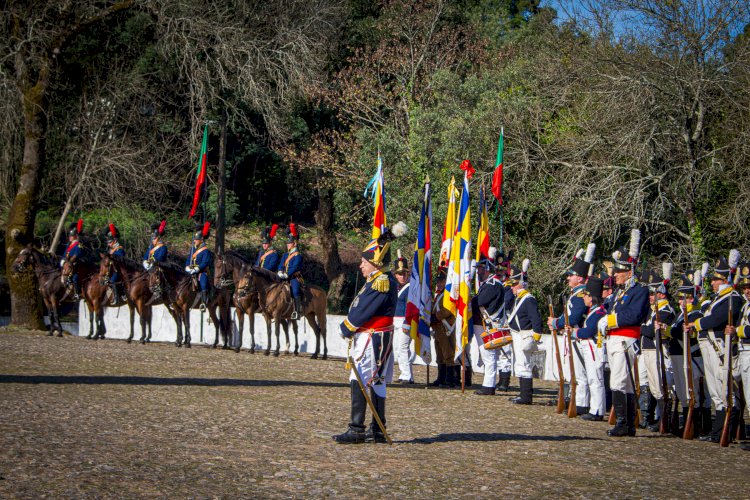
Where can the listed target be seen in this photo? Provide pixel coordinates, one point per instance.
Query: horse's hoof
(187, 346)
(236, 349)
(325, 356)
(314, 356)
(129, 341)
(89, 336)
(276, 354)
(266, 353)
(225, 347)
(50, 334)
(252, 351)
(59, 334)
(142, 342)
(296, 353)
(214, 346)
(178, 344)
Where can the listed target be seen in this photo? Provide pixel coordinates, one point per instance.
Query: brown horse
(135, 281)
(171, 284)
(51, 286)
(276, 301)
(229, 270)
(247, 302)
(221, 301)
(92, 292)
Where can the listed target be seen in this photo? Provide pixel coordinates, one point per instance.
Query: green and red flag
(200, 176)
(497, 176)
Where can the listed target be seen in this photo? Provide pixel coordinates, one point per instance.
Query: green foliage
(231, 205)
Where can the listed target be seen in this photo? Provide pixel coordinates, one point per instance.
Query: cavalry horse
(135, 281)
(229, 270)
(275, 300)
(247, 302)
(92, 292)
(51, 287)
(170, 283)
(221, 300)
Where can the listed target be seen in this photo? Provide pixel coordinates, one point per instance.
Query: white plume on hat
(666, 270)
(635, 243)
(590, 251)
(697, 276)
(579, 253)
(398, 253)
(525, 265)
(734, 258)
(492, 253)
(704, 270)
(399, 229)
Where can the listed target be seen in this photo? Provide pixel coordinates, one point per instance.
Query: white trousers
(402, 348)
(364, 362)
(593, 358)
(642, 372)
(505, 358)
(489, 358)
(620, 356)
(582, 382)
(742, 371)
(649, 360)
(523, 347)
(714, 371)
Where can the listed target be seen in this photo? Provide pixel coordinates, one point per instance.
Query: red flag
(497, 176)
(201, 174)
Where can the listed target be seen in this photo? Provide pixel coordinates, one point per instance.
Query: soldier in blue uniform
(622, 325)
(157, 250)
(291, 269)
(742, 362)
(525, 324)
(710, 330)
(576, 277)
(590, 350)
(688, 294)
(268, 257)
(659, 301)
(115, 248)
(490, 298)
(402, 338)
(74, 252)
(369, 324)
(198, 263)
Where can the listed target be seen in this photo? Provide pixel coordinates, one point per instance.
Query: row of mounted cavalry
(236, 283)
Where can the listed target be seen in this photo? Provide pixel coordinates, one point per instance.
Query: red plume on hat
(206, 229)
(112, 230)
(272, 233)
(293, 229)
(162, 226)
(79, 226)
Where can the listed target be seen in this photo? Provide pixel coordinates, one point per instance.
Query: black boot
(654, 426)
(582, 410)
(485, 391)
(468, 376)
(374, 433)
(620, 403)
(356, 432)
(204, 300)
(718, 425)
(527, 390)
(503, 382)
(440, 380)
(297, 308)
(630, 404)
(450, 377)
(705, 429)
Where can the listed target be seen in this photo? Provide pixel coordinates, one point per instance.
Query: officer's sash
(114, 249)
(263, 257)
(289, 258)
(71, 247)
(197, 253)
(154, 249)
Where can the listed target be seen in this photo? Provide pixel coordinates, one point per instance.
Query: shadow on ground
(122, 380)
(493, 436)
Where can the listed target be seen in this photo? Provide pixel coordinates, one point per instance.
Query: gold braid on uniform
(381, 284)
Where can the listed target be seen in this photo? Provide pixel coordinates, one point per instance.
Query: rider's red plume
(274, 228)
(79, 226)
(206, 229)
(112, 230)
(162, 226)
(293, 229)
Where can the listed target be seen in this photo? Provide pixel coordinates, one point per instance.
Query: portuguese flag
(200, 176)
(497, 176)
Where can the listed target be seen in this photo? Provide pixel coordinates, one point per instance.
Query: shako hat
(378, 250)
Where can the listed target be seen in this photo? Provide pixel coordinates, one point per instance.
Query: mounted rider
(291, 269)
(198, 263)
(114, 248)
(268, 257)
(74, 252)
(157, 249)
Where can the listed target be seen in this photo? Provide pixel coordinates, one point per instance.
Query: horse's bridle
(224, 282)
(104, 280)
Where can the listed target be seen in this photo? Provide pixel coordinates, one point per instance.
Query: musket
(572, 413)
(637, 389)
(560, 376)
(725, 437)
(664, 417)
(689, 431)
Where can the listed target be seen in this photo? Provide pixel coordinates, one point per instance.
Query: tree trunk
(221, 195)
(26, 306)
(324, 217)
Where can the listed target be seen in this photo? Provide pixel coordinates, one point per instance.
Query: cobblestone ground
(82, 418)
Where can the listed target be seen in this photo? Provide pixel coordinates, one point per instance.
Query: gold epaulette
(579, 294)
(381, 284)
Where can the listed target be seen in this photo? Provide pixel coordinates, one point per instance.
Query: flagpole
(500, 246)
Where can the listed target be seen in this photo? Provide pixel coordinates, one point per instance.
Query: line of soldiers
(625, 337)
(198, 262)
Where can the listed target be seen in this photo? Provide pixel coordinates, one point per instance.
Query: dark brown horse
(228, 271)
(135, 281)
(92, 292)
(276, 301)
(221, 301)
(171, 284)
(247, 302)
(51, 287)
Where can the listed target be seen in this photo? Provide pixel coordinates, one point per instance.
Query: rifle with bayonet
(572, 413)
(689, 431)
(664, 417)
(560, 376)
(726, 430)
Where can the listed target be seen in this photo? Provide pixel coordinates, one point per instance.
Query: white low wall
(117, 321)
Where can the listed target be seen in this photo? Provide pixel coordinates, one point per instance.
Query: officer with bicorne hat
(402, 336)
(114, 247)
(157, 250)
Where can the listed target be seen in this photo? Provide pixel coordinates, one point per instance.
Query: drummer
(487, 308)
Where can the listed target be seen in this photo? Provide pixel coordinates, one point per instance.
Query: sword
(375, 415)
